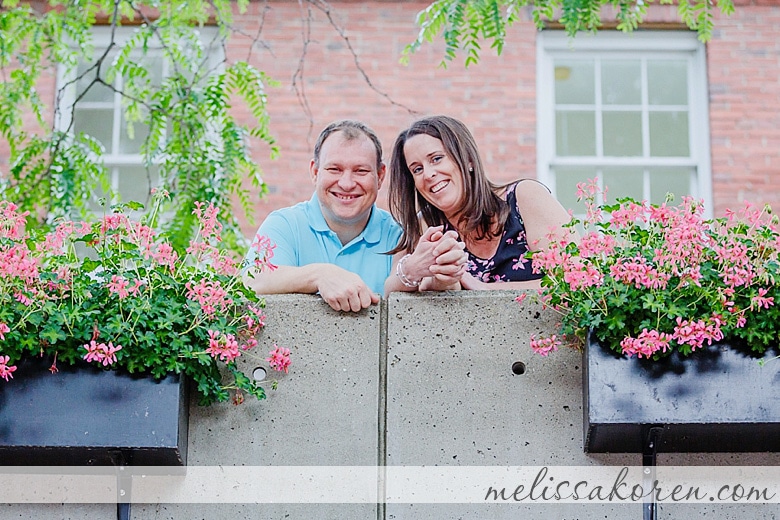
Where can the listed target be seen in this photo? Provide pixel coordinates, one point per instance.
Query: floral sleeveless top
(509, 263)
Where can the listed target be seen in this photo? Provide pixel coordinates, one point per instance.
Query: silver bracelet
(399, 272)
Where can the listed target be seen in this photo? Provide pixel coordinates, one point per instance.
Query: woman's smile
(436, 175)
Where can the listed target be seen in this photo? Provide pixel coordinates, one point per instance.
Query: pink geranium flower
(264, 252)
(104, 354)
(118, 285)
(134, 301)
(657, 278)
(279, 359)
(223, 346)
(6, 370)
(544, 346)
(646, 344)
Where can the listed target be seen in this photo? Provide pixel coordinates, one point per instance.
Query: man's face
(347, 181)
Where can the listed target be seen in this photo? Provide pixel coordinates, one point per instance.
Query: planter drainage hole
(518, 368)
(259, 374)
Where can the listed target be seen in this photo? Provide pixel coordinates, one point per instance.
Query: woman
(459, 229)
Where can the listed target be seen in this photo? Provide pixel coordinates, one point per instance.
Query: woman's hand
(438, 254)
(451, 261)
(437, 263)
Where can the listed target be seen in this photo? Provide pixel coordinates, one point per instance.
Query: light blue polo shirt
(302, 237)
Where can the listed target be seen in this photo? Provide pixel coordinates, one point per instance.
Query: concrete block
(452, 399)
(57, 511)
(324, 412)
(423, 380)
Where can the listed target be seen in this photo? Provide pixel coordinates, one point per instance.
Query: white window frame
(102, 35)
(553, 44)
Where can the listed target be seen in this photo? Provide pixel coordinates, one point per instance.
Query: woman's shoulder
(523, 189)
(532, 197)
(530, 185)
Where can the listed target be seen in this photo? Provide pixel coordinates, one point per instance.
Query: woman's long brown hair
(482, 211)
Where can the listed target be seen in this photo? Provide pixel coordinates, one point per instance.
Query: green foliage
(115, 294)
(199, 150)
(464, 23)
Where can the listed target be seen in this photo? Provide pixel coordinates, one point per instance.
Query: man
(335, 243)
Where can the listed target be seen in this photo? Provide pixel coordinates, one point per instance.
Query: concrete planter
(720, 399)
(88, 416)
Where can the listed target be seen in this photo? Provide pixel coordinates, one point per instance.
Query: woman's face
(436, 176)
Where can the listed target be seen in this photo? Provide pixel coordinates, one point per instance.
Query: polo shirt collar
(316, 218)
(372, 233)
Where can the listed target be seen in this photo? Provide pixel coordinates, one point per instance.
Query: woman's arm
(543, 216)
(393, 282)
(471, 283)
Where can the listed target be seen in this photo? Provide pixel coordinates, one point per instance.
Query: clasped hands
(439, 260)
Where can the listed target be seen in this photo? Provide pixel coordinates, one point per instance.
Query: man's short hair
(350, 129)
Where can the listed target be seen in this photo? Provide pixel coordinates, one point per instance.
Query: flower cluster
(116, 295)
(649, 279)
(279, 358)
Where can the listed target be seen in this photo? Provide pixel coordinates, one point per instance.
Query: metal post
(650, 450)
(123, 481)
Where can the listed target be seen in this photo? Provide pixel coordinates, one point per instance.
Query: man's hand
(341, 289)
(344, 290)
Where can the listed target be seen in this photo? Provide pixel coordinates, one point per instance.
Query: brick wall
(495, 98)
(743, 61)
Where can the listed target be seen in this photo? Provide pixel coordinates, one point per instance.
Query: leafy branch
(298, 76)
(463, 24)
(200, 151)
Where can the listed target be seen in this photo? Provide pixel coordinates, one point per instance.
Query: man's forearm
(285, 279)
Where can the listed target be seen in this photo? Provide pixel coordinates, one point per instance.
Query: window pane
(96, 122)
(135, 182)
(669, 134)
(621, 82)
(154, 65)
(575, 133)
(623, 182)
(670, 180)
(131, 146)
(98, 194)
(667, 82)
(98, 92)
(633, 100)
(574, 82)
(622, 134)
(566, 180)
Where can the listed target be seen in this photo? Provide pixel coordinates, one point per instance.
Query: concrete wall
(418, 380)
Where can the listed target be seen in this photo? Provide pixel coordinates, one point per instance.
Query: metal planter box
(719, 399)
(88, 416)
